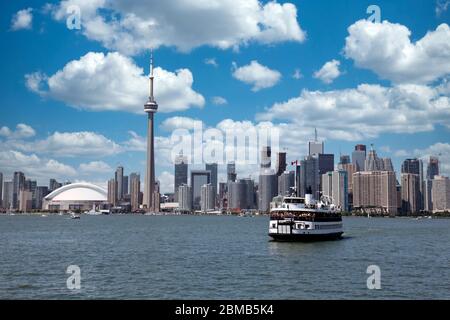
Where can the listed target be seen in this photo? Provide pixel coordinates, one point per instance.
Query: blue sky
(76, 124)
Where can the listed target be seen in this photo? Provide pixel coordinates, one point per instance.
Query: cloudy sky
(72, 99)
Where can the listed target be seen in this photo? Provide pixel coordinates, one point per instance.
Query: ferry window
(274, 225)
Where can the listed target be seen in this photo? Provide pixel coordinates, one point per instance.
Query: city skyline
(239, 84)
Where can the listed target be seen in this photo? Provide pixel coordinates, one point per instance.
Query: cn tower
(150, 107)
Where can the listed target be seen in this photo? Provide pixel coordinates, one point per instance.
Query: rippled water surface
(218, 257)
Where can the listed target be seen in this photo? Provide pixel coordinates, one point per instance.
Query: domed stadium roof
(78, 192)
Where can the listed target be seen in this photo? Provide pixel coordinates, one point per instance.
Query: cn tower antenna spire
(151, 77)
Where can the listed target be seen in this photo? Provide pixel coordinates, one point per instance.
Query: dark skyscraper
(198, 179)
(309, 176)
(344, 159)
(433, 168)
(281, 163)
(231, 171)
(212, 167)
(326, 163)
(119, 180)
(135, 190)
(181, 173)
(18, 185)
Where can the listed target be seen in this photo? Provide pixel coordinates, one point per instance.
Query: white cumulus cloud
(133, 26)
(23, 19)
(328, 72)
(257, 75)
(386, 48)
(114, 82)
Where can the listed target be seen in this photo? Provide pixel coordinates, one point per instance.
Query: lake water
(219, 257)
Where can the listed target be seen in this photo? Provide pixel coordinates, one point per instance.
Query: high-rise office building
(241, 194)
(7, 194)
(415, 166)
(185, 198)
(427, 195)
(326, 163)
(207, 199)
(267, 189)
(373, 162)
(198, 179)
(53, 185)
(286, 183)
(281, 163)
(112, 192)
(266, 154)
(433, 168)
(181, 173)
(359, 157)
(125, 185)
(441, 194)
(18, 185)
(25, 200)
(249, 192)
(40, 193)
(135, 190)
(119, 180)
(410, 192)
(309, 181)
(315, 147)
(223, 187)
(231, 171)
(212, 167)
(375, 189)
(335, 185)
(350, 168)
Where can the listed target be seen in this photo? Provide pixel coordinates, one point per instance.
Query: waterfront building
(125, 186)
(231, 171)
(212, 167)
(40, 193)
(207, 199)
(350, 168)
(184, 198)
(281, 165)
(441, 194)
(112, 192)
(180, 174)
(53, 185)
(7, 194)
(375, 189)
(150, 107)
(267, 189)
(415, 166)
(75, 196)
(25, 200)
(359, 157)
(315, 147)
(237, 195)
(309, 178)
(326, 163)
(198, 179)
(223, 187)
(373, 163)
(119, 182)
(335, 185)
(266, 154)
(410, 192)
(135, 190)
(286, 183)
(433, 168)
(18, 185)
(427, 195)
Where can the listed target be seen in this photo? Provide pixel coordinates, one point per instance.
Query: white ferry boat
(305, 219)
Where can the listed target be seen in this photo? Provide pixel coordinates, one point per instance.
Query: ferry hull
(306, 237)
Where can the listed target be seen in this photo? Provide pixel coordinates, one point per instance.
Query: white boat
(93, 211)
(305, 219)
(74, 216)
